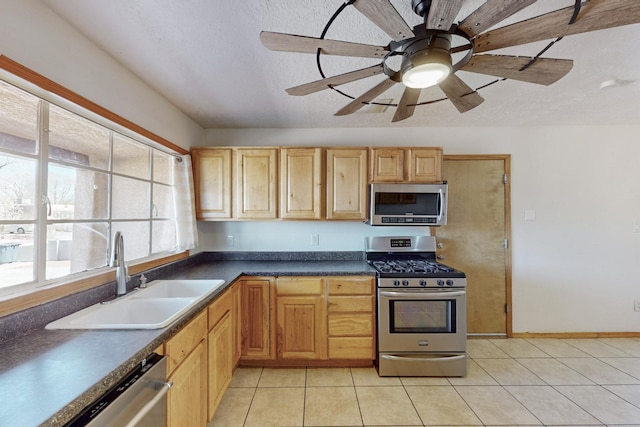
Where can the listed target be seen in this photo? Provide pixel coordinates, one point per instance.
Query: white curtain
(186, 230)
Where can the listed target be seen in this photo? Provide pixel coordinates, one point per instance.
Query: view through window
(67, 184)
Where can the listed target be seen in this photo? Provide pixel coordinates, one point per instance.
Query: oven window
(402, 203)
(420, 316)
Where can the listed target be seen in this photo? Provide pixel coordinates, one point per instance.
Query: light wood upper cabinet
(425, 164)
(407, 164)
(301, 318)
(301, 183)
(255, 183)
(347, 183)
(387, 165)
(212, 182)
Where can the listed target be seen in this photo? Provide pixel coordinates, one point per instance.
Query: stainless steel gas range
(422, 320)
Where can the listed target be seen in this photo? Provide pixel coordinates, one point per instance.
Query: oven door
(422, 320)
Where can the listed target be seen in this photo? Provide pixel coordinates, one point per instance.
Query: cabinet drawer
(300, 286)
(351, 348)
(351, 304)
(219, 308)
(350, 325)
(351, 286)
(179, 347)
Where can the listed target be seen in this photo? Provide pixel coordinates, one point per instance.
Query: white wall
(576, 268)
(31, 34)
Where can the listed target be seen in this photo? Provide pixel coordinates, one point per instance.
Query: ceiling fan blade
(543, 71)
(338, 80)
(365, 98)
(442, 13)
(594, 15)
(407, 104)
(384, 15)
(460, 94)
(303, 44)
(491, 13)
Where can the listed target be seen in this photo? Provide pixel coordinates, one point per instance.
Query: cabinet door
(347, 184)
(256, 319)
(387, 165)
(256, 190)
(301, 331)
(186, 400)
(425, 164)
(236, 319)
(301, 318)
(220, 360)
(212, 182)
(300, 183)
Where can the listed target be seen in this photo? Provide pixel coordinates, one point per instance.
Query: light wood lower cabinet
(308, 319)
(301, 318)
(256, 319)
(187, 369)
(351, 311)
(220, 349)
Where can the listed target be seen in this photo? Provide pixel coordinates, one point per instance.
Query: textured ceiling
(206, 57)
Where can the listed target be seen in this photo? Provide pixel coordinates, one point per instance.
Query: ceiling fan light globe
(425, 75)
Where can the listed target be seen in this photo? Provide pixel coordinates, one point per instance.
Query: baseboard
(576, 335)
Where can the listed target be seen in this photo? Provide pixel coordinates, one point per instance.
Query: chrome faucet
(117, 261)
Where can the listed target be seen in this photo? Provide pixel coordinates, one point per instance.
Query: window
(67, 184)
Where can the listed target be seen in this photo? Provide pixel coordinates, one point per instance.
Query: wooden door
(474, 238)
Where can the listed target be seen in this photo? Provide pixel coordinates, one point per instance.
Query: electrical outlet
(636, 305)
(315, 240)
(230, 241)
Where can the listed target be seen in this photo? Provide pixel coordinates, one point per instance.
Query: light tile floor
(510, 382)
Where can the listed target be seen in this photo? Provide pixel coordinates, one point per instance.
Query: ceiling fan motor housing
(430, 49)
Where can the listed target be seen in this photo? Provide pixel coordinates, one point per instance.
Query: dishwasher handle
(164, 389)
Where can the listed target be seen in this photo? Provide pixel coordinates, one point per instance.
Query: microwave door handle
(440, 204)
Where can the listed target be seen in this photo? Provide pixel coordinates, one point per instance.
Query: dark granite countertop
(48, 376)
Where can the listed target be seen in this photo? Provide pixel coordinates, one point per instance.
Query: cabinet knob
(440, 257)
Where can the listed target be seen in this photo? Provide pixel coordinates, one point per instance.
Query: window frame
(50, 92)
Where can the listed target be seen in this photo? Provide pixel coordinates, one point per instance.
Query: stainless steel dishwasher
(138, 400)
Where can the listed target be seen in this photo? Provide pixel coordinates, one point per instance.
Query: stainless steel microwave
(408, 204)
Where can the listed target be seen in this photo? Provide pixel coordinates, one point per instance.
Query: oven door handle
(422, 359)
(440, 204)
(423, 295)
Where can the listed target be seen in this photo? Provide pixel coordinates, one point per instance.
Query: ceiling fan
(426, 50)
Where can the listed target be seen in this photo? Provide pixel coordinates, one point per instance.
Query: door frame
(506, 158)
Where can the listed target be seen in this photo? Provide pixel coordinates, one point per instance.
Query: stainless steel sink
(158, 305)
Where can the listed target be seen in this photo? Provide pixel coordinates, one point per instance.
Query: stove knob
(396, 282)
(449, 282)
(440, 282)
(405, 283)
(423, 282)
